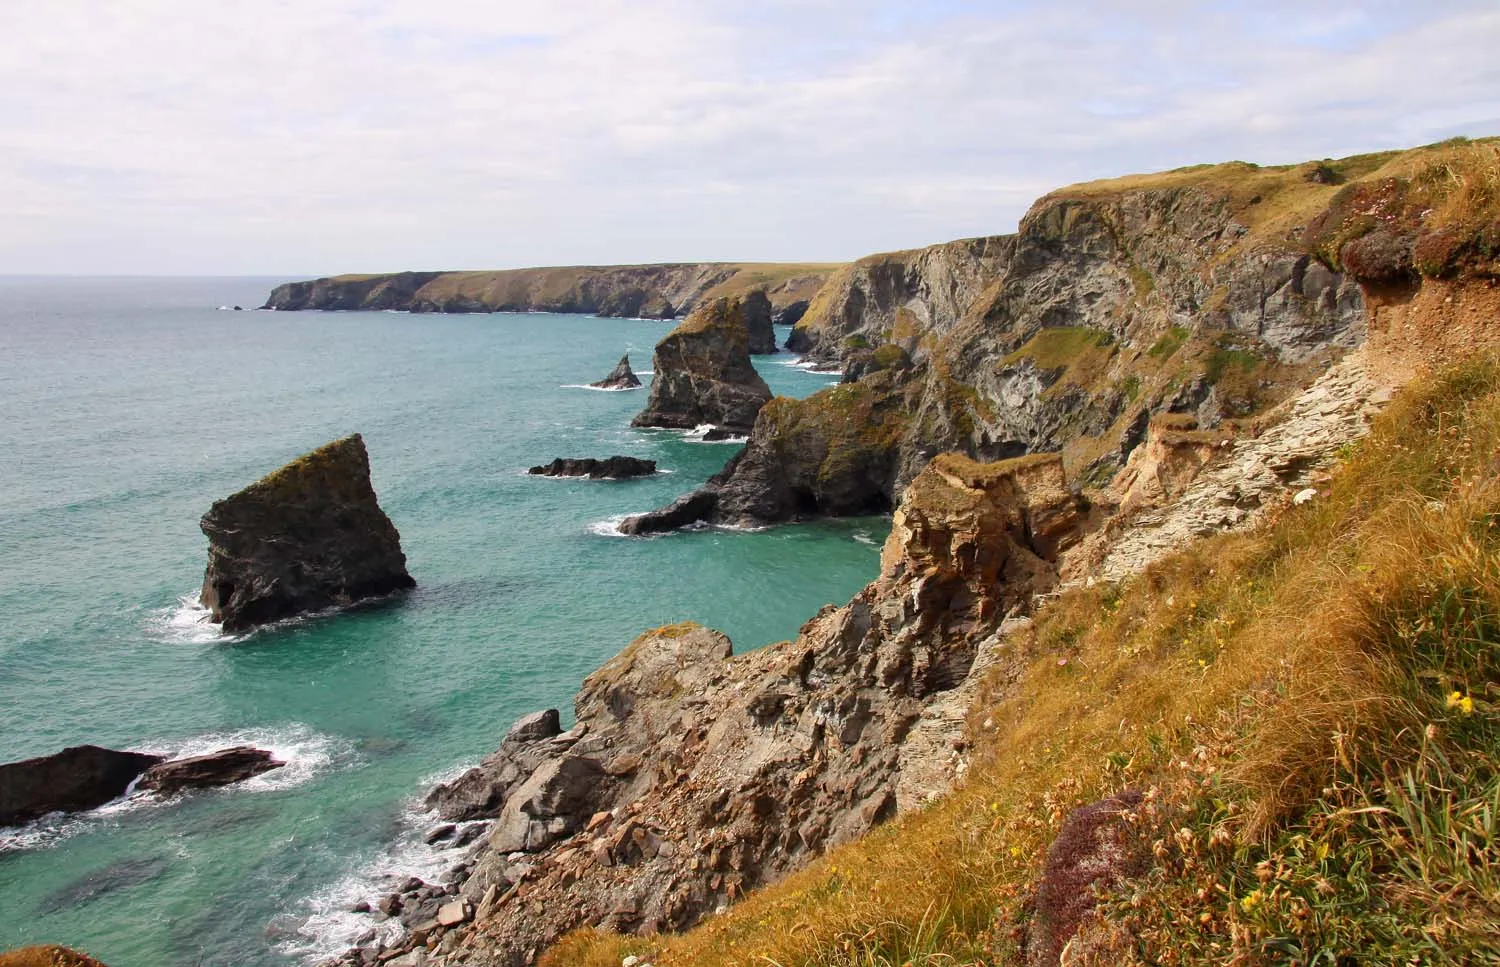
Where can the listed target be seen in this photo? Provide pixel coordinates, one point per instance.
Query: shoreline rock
(704, 374)
(620, 378)
(76, 779)
(304, 538)
(610, 468)
(213, 769)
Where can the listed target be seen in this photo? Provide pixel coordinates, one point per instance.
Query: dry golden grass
(1256, 670)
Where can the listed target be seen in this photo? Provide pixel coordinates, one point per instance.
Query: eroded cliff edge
(636, 291)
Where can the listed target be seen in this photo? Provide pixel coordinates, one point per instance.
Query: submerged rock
(612, 468)
(307, 537)
(621, 377)
(219, 768)
(704, 374)
(83, 777)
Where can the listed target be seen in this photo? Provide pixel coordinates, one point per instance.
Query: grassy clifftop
(1310, 713)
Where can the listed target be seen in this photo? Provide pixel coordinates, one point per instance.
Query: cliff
(306, 537)
(649, 291)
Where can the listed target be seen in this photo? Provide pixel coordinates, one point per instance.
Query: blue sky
(320, 136)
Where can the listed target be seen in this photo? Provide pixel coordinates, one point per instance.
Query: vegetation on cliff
(1309, 711)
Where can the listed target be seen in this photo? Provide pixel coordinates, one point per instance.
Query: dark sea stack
(612, 468)
(307, 537)
(622, 377)
(756, 311)
(219, 768)
(83, 777)
(704, 373)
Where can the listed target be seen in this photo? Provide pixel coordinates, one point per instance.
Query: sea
(129, 405)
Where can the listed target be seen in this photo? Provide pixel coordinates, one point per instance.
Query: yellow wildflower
(1462, 702)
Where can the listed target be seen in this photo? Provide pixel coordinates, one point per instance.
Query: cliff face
(646, 291)
(704, 374)
(307, 537)
(693, 775)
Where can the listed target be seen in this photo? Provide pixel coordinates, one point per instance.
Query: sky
(309, 137)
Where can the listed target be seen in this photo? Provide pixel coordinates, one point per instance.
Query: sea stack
(756, 311)
(307, 537)
(622, 377)
(704, 374)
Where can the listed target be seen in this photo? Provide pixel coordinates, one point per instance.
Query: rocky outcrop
(634, 291)
(755, 309)
(46, 956)
(221, 768)
(704, 374)
(791, 313)
(692, 775)
(610, 468)
(307, 537)
(687, 510)
(621, 377)
(73, 780)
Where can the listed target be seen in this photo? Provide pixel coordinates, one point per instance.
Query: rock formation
(307, 537)
(704, 373)
(755, 309)
(692, 775)
(635, 291)
(213, 769)
(621, 377)
(611, 468)
(73, 780)
(46, 956)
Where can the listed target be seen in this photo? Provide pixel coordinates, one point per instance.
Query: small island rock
(755, 309)
(83, 777)
(307, 537)
(704, 374)
(613, 468)
(621, 377)
(219, 768)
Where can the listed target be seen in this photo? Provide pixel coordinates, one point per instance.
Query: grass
(1313, 709)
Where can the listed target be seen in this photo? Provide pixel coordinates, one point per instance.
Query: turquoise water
(128, 406)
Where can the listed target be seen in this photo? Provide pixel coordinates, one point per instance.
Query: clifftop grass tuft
(1312, 710)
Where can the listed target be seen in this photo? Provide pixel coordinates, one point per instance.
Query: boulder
(307, 537)
(83, 777)
(621, 377)
(219, 768)
(704, 374)
(612, 468)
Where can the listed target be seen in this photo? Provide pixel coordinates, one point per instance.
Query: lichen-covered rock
(693, 775)
(621, 377)
(704, 374)
(75, 779)
(307, 537)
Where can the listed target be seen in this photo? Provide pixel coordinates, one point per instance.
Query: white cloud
(332, 135)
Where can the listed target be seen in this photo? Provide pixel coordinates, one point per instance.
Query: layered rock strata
(307, 537)
(635, 291)
(692, 775)
(621, 377)
(704, 374)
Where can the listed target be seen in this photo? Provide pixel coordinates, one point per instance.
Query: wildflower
(1250, 901)
(1462, 702)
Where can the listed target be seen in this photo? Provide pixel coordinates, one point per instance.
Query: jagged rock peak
(306, 537)
(704, 374)
(621, 377)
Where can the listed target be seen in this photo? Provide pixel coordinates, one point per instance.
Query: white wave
(610, 526)
(187, 622)
(600, 389)
(329, 925)
(863, 537)
(810, 366)
(307, 754)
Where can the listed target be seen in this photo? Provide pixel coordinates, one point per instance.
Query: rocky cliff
(704, 374)
(646, 291)
(304, 538)
(693, 775)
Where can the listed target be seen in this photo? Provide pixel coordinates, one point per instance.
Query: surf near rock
(612, 468)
